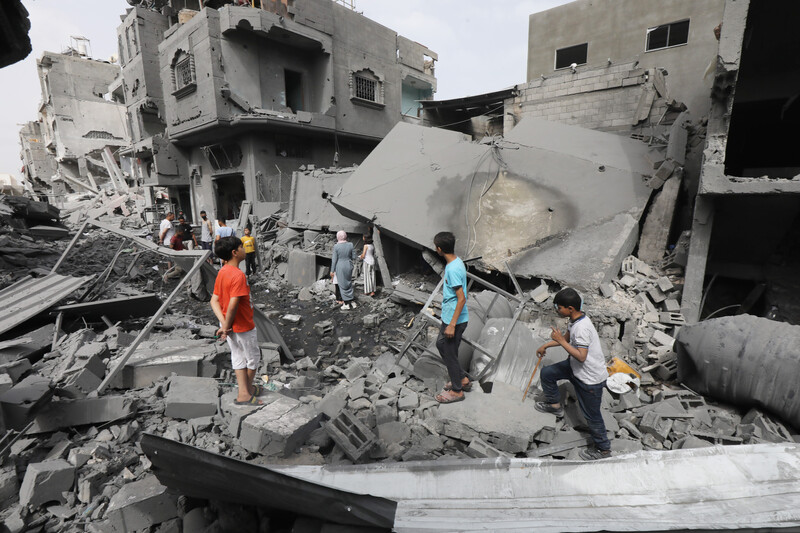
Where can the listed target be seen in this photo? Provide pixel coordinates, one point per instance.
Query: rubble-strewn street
(122, 407)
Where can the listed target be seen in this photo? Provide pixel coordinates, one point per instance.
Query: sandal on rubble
(465, 388)
(252, 401)
(449, 397)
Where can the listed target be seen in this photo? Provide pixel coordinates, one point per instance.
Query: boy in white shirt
(585, 368)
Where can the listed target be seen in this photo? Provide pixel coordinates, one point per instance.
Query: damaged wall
(605, 98)
(616, 31)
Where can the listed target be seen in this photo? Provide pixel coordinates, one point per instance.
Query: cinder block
(350, 434)
(673, 319)
(607, 289)
(671, 305)
(191, 397)
(44, 482)
(141, 504)
(656, 295)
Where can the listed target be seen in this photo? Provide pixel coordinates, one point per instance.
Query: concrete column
(702, 225)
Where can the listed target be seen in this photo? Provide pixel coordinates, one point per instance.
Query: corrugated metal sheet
(30, 296)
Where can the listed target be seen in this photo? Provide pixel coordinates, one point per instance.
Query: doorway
(229, 193)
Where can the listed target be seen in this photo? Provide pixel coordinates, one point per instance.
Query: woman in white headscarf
(342, 266)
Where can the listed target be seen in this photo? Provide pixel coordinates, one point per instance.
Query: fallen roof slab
(202, 474)
(31, 296)
(309, 207)
(548, 190)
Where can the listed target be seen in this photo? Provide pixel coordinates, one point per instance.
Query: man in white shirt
(167, 230)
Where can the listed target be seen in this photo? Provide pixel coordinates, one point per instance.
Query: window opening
(572, 54)
(294, 90)
(667, 35)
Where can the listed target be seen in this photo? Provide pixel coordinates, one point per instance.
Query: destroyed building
(226, 103)
(119, 400)
(39, 166)
(78, 120)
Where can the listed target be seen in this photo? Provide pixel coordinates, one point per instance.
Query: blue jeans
(589, 399)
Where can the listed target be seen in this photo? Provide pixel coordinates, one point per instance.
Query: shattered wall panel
(309, 206)
(547, 185)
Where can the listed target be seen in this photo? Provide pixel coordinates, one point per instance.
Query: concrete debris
(46, 482)
(139, 505)
(191, 397)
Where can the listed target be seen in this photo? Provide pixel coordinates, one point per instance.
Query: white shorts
(245, 352)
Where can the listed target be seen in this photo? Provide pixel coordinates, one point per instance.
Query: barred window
(366, 88)
(183, 73)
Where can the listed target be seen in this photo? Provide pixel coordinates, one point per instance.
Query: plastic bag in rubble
(622, 383)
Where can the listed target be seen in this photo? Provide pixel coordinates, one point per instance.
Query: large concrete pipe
(746, 360)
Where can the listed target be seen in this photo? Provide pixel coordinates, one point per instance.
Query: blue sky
(482, 47)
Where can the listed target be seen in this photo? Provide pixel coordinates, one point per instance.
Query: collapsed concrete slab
(21, 402)
(562, 190)
(152, 362)
(746, 360)
(309, 207)
(495, 418)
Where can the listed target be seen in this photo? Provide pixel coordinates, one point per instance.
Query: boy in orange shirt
(232, 306)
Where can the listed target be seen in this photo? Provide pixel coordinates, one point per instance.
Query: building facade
(674, 35)
(246, 96)
(78, 117)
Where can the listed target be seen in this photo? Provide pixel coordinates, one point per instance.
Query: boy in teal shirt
(454, 318)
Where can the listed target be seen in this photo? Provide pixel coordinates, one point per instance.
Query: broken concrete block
(324, 328)
(5, 383)
(44, 482)
(350, 434)
(371, 320)
(627, 281)
(140, 505)
(478, 448)
(385, 412)
(19, 402)
(94, 351)
(408, 400)
(656, 295)
(354, 371)
(16, 369)
(607, 289)
(629, 265)
(671, 305)
(394, 432)
(645, 301)
(664, 284)
(292, 319)
(9, 486)
(278, 427)
(655, 425)
(190, 397)
(79, 383)
(690, 441)
(302, 268)
(662, 339)
(79, 456)
(80, 412)
(334, 401)
(540, 293)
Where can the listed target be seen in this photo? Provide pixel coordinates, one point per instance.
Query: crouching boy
(585, 368)
(231, 303)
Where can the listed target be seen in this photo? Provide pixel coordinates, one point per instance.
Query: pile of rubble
(355, 388)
